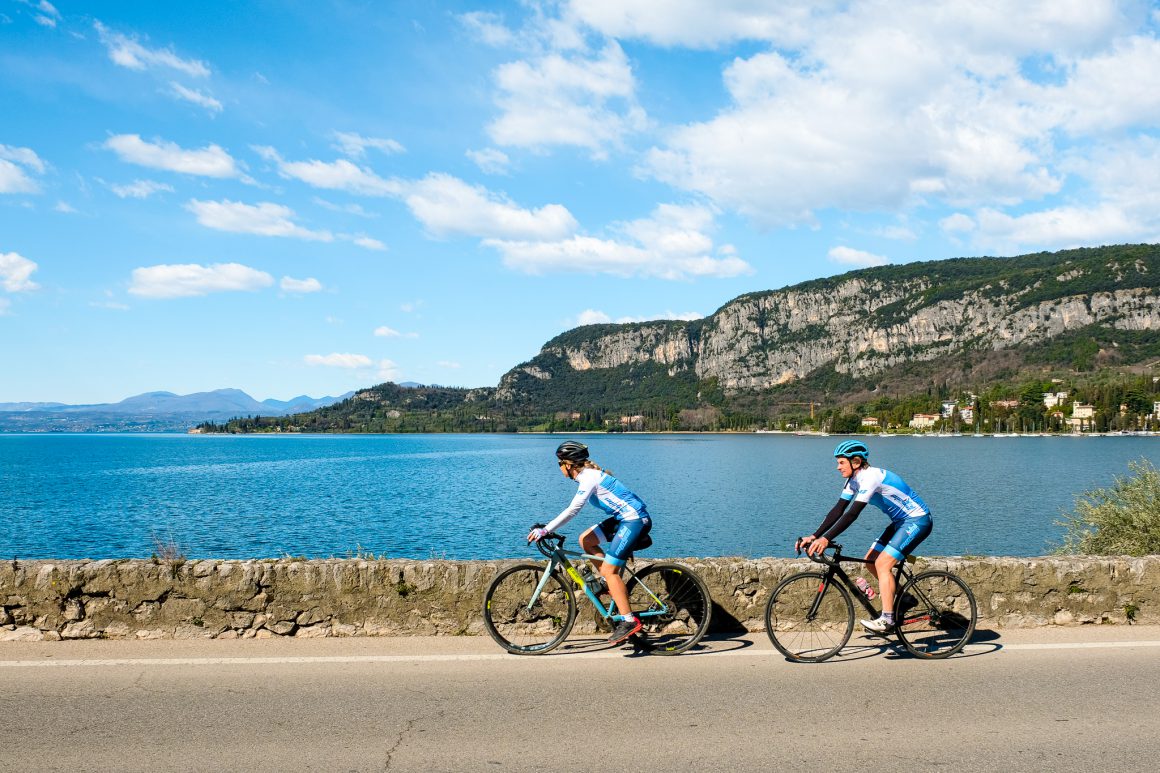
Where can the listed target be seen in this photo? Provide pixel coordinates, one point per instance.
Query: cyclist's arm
(831, 517)
(848, 517)
(583, 494)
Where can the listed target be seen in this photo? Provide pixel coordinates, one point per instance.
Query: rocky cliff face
(869, 321)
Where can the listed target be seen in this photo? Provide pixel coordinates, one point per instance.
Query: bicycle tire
(523, 630)
(798, 636)
(936, 615)
(689, 607)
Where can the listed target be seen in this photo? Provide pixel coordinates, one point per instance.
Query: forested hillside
(986, 334)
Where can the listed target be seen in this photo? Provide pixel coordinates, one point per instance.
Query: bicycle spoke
(936, 615)
(800, 635)
(521, 626)
(682, 616)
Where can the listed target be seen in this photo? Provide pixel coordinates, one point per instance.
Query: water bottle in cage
(865, 587)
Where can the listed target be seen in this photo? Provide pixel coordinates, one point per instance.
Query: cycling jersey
(878, 487)
(886, 491)
(605, 492)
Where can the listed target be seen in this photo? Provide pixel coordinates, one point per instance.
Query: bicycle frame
(558, 561)
(902, 575)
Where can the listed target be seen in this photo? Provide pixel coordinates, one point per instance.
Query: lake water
(474, 496)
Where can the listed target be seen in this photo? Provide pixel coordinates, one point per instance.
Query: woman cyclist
(910, 520)
(628, 521)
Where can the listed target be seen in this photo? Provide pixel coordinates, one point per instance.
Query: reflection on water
(473, 496)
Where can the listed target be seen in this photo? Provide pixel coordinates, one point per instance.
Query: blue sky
(312, 197)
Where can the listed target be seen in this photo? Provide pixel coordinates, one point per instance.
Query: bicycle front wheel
(936, 615)
(809, 619)
(521, 625)
(673, 605)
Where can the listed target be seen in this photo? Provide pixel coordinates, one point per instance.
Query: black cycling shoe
(625, 629)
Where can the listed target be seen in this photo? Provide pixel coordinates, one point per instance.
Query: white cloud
(210, 161)
(64, 207)
(14, 180)
(567, 100)
(339, 175)
(263, 219)
(308, 285)
(448, 364)
(139, 189)
(446, 205)
(198, 98)
(876, 107)
(490, 160)
(350, 209)
(48, 16)
(488, 27)
(388, 370)
(336, 360)
(127, 52)
(15, 164)
(1125, 205)
(592, 317)
(16, 272)
(671, 244)
(851, 257)
(355, 146)
(368, 243)
(183, 280)
(697, 24)
(389, 332)
(596, 317)
(411, 306)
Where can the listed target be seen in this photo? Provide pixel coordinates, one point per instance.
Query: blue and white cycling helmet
(848, 448)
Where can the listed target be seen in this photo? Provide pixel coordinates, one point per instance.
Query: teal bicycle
(529, 609)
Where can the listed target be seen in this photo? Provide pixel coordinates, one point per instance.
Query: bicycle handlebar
(821, 557)
(551, 536)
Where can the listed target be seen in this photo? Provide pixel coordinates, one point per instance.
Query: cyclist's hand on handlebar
(816, 545)
(801, 543)
(536, 534)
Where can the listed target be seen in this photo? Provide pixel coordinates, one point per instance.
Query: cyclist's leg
(907, 536)
(592, 540)
(615, 557)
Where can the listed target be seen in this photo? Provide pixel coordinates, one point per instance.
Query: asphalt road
(1059, 699)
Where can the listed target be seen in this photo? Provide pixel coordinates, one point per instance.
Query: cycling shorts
(621, 536)
(900, 538)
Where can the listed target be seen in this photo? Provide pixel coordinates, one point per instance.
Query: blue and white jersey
(886, 491)
(606, 493)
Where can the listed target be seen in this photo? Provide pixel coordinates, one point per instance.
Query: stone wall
(151, 599)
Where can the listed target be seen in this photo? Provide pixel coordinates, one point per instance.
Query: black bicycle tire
(794, 609)
(556, 585)
(909, 638)
(689, 598)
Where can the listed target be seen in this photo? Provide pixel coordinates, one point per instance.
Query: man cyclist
(628, 521)
(910, 521)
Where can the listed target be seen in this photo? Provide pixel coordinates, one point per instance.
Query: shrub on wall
(1121, 520)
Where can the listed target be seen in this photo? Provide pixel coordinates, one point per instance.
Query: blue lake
(474, 496)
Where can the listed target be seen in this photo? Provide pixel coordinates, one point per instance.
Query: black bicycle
(810, 616)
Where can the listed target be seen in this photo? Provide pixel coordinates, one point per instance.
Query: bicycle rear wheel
(685, 600)
(521, 626)
(936, 615)
(800, 635)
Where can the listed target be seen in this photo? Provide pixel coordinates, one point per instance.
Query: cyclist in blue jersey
(910, 520)
(628, 521)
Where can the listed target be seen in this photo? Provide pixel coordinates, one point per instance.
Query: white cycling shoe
(877, 625)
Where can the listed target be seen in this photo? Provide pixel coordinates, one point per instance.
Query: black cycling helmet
(571, 451)
(848, 448)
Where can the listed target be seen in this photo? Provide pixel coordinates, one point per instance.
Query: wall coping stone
(226, 598)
